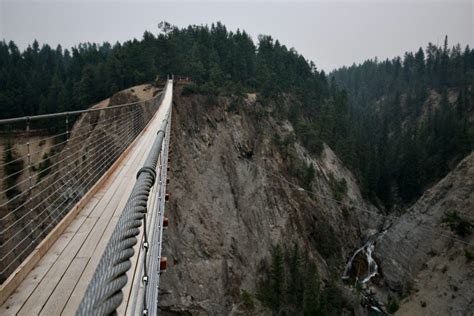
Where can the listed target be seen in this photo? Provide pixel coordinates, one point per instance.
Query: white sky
(331, 33)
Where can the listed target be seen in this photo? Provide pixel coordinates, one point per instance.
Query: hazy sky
(331, 33)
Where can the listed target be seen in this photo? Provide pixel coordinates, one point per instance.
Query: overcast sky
(331, 33)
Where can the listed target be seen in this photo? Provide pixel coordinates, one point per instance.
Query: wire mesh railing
(49, 162)
(140, 214)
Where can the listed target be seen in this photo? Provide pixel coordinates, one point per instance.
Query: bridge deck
(58, 282)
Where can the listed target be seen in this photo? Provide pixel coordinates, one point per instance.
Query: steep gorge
(234, 197)
(235, 194)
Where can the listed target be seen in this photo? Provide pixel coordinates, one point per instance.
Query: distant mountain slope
(411, 120)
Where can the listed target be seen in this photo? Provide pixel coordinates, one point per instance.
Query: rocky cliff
(235, 194)
(238, 188)
(427, 255)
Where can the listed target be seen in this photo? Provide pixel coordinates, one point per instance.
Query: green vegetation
(373, 115)
(286, 144)
(43, 80)
(12, 165)
(247, 300)
(345, 212)
(310, 138)
(304, 172)
(392, 305)
(469, 255)
(457, 224)
(292, 286)
(396, 143)
(305, 175)
(189, 89)
(322, 232)
(338, 187)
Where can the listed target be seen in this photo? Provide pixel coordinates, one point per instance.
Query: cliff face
(423, 260)
(233, 197)
(235, 194)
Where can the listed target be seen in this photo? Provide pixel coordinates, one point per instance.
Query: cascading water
(362, 266)
(371, 270)
(369, 265)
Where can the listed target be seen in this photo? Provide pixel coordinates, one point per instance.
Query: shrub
(345, 212)
(189, 89)
(457, 224)
(392, 305)
(469, 255)
(209, 88)
(247, 300)
(308, 177)
(325, 241)
(211, 100)
(284, 144)
(338, 187)
(235, 104)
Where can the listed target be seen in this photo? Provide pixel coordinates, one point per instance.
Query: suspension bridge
(82, 209)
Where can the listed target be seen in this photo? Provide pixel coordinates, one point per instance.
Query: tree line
(408, 119)
(372, 114)
(42, 79)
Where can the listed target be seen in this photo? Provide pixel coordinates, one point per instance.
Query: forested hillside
(411, 119)
(43, 79)
(399, 124)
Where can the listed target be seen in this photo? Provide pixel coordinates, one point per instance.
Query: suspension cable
(104, 294)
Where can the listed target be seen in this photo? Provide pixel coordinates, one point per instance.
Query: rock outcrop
(234, 197)
(423, 260)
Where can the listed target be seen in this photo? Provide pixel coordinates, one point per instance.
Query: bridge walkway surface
(59, 280)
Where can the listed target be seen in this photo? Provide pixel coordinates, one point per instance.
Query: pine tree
(295, 281)
(311, 291)
(277, 277)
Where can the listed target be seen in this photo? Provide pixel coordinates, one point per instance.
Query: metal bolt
(145, 245)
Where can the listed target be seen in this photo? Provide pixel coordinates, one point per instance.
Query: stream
(372, 268)
(362, 266)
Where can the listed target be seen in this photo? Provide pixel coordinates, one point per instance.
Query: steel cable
(81, 182)
(87, 155)
(104, 293)
(96, 142)
(105, 160)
